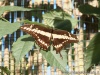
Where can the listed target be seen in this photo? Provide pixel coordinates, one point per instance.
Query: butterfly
(45, 36)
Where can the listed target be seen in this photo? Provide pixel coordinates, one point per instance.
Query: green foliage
(8, 28)
(36, 23)
(5, 26)
(88, 9)
(54, 59)
(30, 22)
(12, 8)
(54, 17)
(92, 53)
(4, 69)
(22, 46)
(64, 25)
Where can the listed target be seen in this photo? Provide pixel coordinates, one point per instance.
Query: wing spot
(30, 29)
(36, 28)
(58, 46)
(31, 26)
(33, 29)
(42, 42)
(24, 27)
(27, 28)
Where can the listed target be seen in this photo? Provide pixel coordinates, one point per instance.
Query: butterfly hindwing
(61, 38)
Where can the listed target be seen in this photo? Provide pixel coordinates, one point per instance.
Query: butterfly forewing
(41, 34)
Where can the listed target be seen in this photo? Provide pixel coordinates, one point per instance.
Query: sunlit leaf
(55, 17)
(8, 28)
(22, 46)
(12, 8)
(55, 60)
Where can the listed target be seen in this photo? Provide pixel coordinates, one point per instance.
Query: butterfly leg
(60, 55)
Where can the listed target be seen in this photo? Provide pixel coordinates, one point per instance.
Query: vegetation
(60, 20)
(92, 52)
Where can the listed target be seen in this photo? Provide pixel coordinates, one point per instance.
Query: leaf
(12, 8)
(92, 54)
(30, 22)
(36, 23)
(21, 47)
(54, 59)
(1, 0)
(88, 9)
(54, 17)
(64, 25)
(8, 28)
(5, 69)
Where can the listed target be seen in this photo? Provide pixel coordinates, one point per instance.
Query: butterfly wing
(41, 34)
(61, 38)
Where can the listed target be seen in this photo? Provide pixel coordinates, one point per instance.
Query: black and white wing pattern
(42, 35)
(61, 38)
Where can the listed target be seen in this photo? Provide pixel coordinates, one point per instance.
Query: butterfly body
(44, 36)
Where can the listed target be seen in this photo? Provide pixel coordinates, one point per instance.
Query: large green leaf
(64, 25)
(8, 28)
(54, 59)
(54, 17)
(88, 9)
(22, 46)
(92, 54)
(12, 8)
